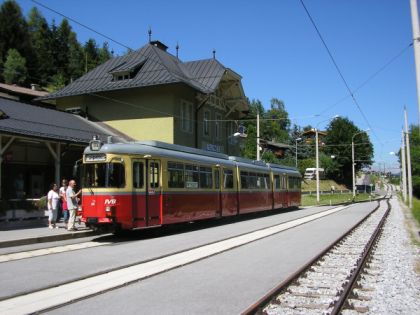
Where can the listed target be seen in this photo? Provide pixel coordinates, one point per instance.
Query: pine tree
(15, 71)
(91, 54)
(76, 58)
(104, 54)
(41, 38)
(14, 32)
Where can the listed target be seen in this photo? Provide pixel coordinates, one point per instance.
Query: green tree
(337, 143)
(76, 58)
(15, 71)
(104, 53)
(14, 33)
(274, 126)
(91, 54)
(57, 82)
(41, 40)
(62, 49)
(415, 158)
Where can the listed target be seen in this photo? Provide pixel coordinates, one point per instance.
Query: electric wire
(82, 25)
(370, 78)
(338, 70)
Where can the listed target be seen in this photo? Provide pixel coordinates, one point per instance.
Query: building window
(206, 123)
(186, 116)
(218, 126)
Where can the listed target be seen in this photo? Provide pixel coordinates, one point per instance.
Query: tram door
(217, 179)
(153, 193)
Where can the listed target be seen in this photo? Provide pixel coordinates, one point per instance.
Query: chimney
(159, 44)
(35, 87)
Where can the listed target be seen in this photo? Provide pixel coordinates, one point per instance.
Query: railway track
(334, 281)
(64, 293)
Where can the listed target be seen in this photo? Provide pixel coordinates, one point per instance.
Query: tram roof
(163, 149)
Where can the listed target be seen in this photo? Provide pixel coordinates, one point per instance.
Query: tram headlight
(95, 144)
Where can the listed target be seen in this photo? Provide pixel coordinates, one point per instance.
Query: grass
(333, 199)
(416, 209)
(325, 184)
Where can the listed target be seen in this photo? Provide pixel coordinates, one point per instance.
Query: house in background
(150, 94)
(22, 94)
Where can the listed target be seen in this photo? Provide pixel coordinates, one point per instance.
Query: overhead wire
(82, 25)
(370, 78)
(351, 93)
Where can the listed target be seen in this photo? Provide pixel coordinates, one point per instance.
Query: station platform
(38, 232)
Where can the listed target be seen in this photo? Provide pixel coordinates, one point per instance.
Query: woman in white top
(53, 199)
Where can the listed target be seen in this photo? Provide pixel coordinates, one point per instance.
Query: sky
(275, 48)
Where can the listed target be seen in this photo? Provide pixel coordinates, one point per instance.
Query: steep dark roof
(33, 121)
(154, 67)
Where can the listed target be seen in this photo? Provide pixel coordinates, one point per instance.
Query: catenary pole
(403, 168)
(258, 135)
(407, 143)
(416, 45)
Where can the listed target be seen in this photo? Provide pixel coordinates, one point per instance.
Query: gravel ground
(396, 284)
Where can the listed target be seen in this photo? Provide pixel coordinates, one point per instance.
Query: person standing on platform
(53, 199)
(64, 208)
(72, 204)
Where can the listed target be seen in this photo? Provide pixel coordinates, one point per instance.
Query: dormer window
(121, 76)
(126, 71)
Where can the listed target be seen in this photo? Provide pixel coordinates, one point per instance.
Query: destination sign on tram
(95, 157)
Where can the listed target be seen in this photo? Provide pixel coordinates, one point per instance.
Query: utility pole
(416, 45)
(403, 168)
(317, 165)
(407, 143)
(258, 135)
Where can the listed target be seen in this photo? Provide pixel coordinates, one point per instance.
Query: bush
(416, 209)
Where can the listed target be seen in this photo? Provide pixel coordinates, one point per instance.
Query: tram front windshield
(104, 175)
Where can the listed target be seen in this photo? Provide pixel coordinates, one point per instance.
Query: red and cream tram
(149, 184)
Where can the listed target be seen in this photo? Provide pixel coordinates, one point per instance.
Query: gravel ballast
(396, 284)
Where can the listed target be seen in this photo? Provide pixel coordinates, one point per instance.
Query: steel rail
(258, 306)
(361, 263)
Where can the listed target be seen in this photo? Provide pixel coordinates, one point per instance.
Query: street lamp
(352, 160)
(317, 155)
(296, 141)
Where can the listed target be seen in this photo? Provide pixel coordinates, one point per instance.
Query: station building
(148, 94)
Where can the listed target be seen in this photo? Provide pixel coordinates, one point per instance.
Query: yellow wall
(142, 114)
(154, 113)
(160, 129)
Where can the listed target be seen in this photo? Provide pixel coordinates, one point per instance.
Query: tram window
(244, 180)
(217, 179)
(138, 180)
(277, 182)
(264, 179)
(206, 180)
(104, 175)
(191, 176)
(283, 182)
(293, 183)
(154, 175)
(253, 181)
(227, 179)
(175, 175)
